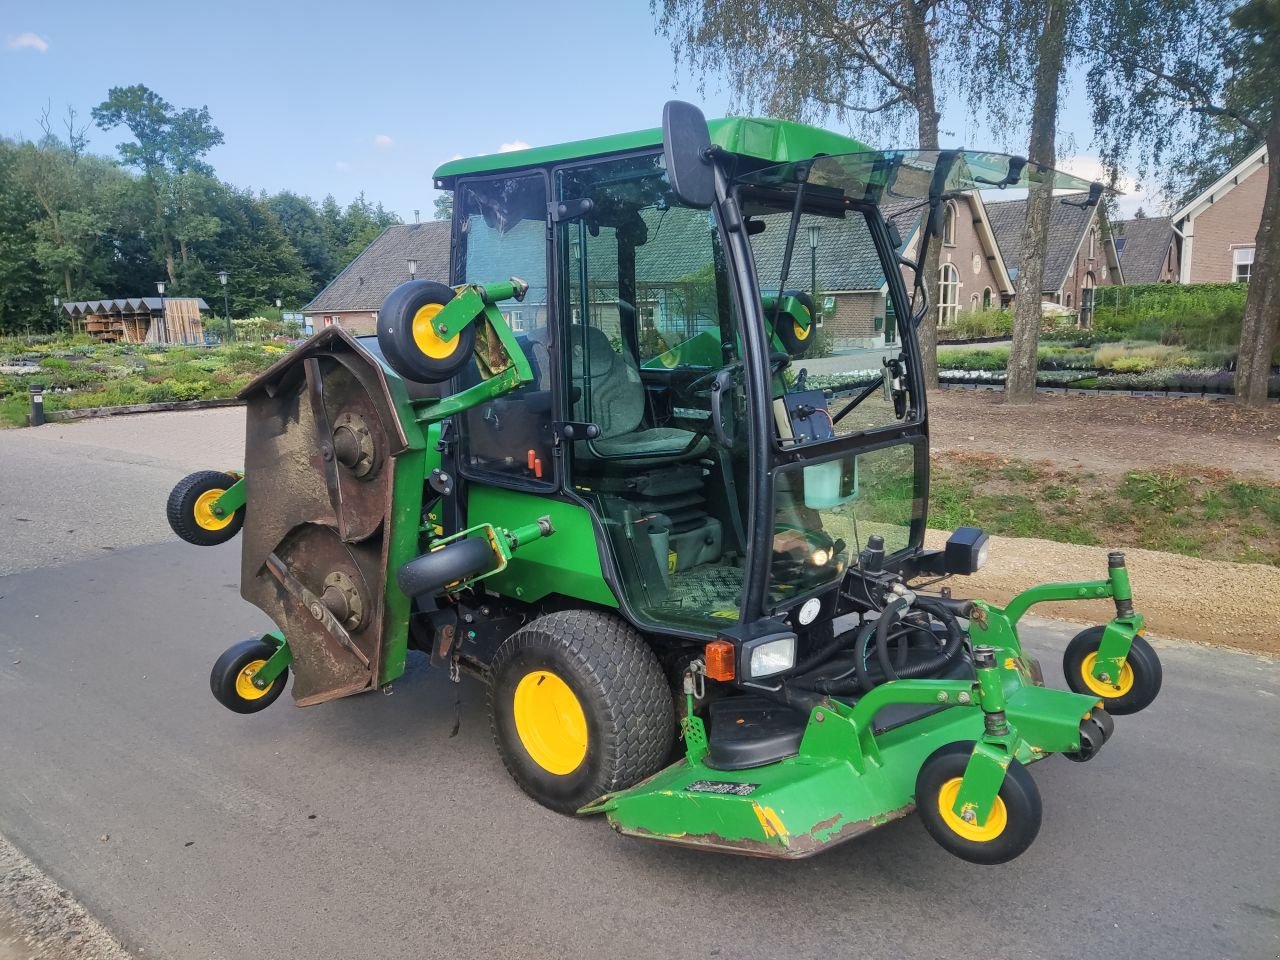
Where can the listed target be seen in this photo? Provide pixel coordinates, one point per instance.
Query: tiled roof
(367, 279)
(846, 258)
(1144, 246)
(1067, 224)
(134, 305)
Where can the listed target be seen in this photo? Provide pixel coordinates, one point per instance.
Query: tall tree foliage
(168, 147)
(80, 226)
(1203, 80)
(876, 66)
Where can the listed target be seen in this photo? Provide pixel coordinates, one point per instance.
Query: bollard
(37, 404)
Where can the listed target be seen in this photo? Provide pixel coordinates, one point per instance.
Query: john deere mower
(593, 470)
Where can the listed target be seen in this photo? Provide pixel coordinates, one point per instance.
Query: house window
(948, 293)
(1242, 261)
(1068, 299)
(986, 298)
(949, 225)
(515, 320)
(1093, 240)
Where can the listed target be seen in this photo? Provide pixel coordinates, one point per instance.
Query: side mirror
(686, 147)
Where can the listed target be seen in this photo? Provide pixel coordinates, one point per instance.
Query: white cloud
(1133, 194)
(382, 140)
(513, 145)
(342, 166)
(29, 41)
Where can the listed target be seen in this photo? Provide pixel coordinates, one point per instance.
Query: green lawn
(1199, 513)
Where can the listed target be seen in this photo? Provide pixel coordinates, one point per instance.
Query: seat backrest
(612, 393)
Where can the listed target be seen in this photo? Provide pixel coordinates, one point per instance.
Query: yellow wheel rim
(206, 519)
(550, 722)
(802, 333)
(996, 822)
(1103, 689)
(427, 338)
(245, 689)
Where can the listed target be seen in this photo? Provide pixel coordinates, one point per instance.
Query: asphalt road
(361, 828)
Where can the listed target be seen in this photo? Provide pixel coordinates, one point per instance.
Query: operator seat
(613, 397)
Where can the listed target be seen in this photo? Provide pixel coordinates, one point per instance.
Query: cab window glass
(502, 234)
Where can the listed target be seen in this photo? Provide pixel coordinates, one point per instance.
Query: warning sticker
(722, 786)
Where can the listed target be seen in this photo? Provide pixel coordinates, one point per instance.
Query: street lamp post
(226, 307)
(162, 335)
(57, 320)
(413, 268)
(814, 231)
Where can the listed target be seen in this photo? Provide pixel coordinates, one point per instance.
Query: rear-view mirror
(686, 148)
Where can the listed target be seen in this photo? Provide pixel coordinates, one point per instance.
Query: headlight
(984, 551)
(820, 557)
(772, 656)
(966, 550)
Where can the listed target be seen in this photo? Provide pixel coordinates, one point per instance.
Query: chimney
(417, 216)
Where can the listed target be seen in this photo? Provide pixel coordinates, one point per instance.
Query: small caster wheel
(1095, 730)
(1011, 826)
(1133, 690)
(410, 340)
(190, 509)
(232, 678)
(796, 340)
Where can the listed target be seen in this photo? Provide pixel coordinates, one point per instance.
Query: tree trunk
(1260, 331)
(920, 53)
(1020, 384)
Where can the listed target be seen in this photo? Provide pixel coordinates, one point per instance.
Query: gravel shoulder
(1206, 601)
(41, 921)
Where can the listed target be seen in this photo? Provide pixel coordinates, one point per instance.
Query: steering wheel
(777, 363)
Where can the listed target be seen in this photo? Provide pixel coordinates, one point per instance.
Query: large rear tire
(580, 708)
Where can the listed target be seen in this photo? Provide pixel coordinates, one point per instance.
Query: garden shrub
(974, 324)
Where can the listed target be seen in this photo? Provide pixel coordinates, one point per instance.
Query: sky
(339, 98)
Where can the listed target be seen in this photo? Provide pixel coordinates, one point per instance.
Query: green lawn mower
(695, 585)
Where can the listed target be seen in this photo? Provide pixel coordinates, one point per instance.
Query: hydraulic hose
(955, 639)
(882, 630)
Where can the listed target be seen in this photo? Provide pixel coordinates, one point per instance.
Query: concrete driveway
(362, 828)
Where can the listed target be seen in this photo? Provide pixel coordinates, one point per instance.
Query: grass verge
(1198, 513)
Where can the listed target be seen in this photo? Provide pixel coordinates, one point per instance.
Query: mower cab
(610, 487)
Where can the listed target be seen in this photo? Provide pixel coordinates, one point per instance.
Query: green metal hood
(773, 141)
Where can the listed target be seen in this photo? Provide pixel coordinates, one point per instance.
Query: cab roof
(771, 141)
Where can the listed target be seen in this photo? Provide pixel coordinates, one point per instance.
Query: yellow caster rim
(550, 722)
(801, 333)
(1102, 688)
(996, 822)
(205, 518)
(427, 338)
(245, 689)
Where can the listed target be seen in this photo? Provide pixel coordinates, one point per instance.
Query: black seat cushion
(752, 731)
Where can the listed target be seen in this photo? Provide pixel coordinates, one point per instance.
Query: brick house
(354, 297)
(1146, 248)
(1215, 232)
(972, 274)
(846, 271)
(1081, 254)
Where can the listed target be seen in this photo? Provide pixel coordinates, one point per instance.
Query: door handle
(719, 387)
